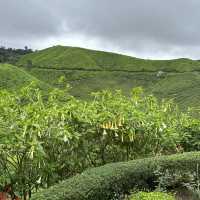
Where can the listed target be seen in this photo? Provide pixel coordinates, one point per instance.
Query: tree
(11, 55)
(27, 121)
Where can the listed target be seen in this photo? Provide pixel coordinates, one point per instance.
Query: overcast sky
(143, 28)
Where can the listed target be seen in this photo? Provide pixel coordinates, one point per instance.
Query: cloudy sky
(144, 28)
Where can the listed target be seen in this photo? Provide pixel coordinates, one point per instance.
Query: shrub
(152, 196)
(103, 183)
(55, 136)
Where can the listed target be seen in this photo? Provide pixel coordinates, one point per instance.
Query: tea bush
(104, 183)
(152, 196)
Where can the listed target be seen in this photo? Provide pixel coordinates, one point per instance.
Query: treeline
(11, 55)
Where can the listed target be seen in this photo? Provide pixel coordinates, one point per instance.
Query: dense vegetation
(111, 180)
(46, 138)
(152, 196)
(10, 55)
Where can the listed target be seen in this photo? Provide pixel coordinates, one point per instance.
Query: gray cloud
(150, 28)
(21, 18)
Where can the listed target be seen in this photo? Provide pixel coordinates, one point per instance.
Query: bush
(104, 183)
(152, 196)
(55, 136)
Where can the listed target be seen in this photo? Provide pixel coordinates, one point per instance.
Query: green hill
(60, 57)
(13, 78)
(89, 70)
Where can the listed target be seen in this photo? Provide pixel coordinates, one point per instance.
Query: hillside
(12, 78)
(61, 57)
(89, 70)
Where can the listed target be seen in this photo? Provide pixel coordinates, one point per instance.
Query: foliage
(46, 138)
(103, 183)
(10, 55)
(187, 182)
(152, 196)
(31, 131)
(131, 127)
(191, 133)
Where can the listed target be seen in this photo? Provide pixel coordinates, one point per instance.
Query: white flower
(104, 132)
(39, 180)
(65, 138)
(160, 129)
(164, 125)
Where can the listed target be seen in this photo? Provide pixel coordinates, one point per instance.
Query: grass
(88, 70)
(60, 57)
(13, 78)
